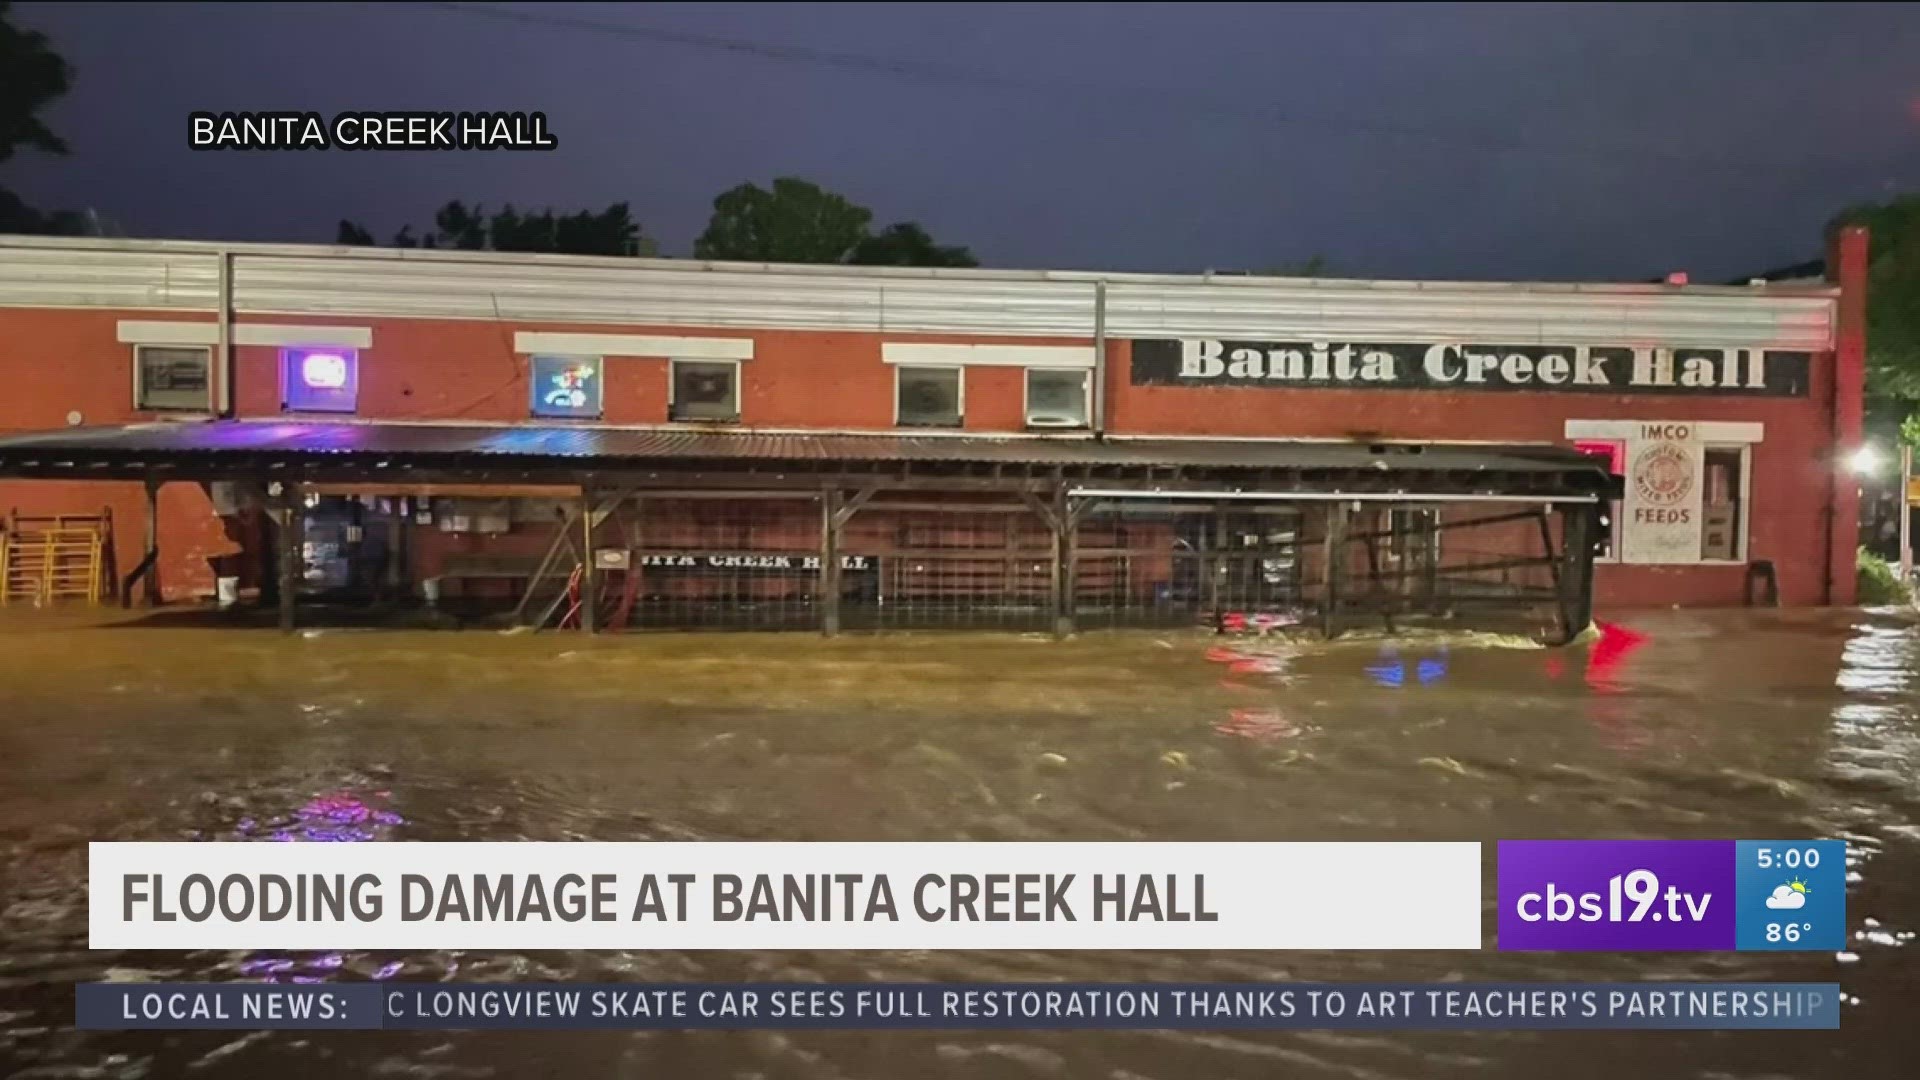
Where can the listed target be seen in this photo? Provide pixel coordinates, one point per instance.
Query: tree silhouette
(1312, 266)
(609, 232)
(32, 77)
(907, 244)
(461, 228)
(796, 222)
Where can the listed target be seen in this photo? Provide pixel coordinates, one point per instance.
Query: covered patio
(652, 528)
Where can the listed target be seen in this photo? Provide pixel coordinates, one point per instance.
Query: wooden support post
(589, 618)
(396, 547)
(1215, 565)
(830, 521)
(293, 530)
(1430, 552)
(151, 557)
(1336, 568)
(1373, 577)
(1065, 557)
(1579, 524)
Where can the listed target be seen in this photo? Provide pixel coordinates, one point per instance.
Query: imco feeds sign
(1665, 464)
(1456, 366)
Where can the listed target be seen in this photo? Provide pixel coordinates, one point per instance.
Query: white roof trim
(1039, 356)
(182, 332)
(677, 348)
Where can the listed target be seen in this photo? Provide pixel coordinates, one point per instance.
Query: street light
(1864, 461)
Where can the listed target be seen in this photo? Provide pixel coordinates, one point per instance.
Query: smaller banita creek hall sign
(1441, 365)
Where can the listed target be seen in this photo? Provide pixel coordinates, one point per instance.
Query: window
(705, 390)
(1615, 453)
(173, 377)
(319, 379)
(1056, 398)
(566, 387)
(928, 396)
(1723, 504)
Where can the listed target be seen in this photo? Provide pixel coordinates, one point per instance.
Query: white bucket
(227, 590)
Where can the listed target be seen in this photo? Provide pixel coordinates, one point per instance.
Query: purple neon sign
(324, 371)
(321, 379)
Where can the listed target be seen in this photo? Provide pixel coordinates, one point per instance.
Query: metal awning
(411, 453)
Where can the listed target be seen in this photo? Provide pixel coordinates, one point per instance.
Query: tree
(907, 244)
(801, 222)
(32, 77)
(609, 232)
(1893, 299)
(511, 230)
(461, 228)
(1312, 266)
(796, 222)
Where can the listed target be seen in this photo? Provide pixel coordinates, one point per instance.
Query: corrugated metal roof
(543, 289)
(606, 447)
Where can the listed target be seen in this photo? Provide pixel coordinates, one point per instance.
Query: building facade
(1726, 412)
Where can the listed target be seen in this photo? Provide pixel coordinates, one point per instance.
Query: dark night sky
(1431, 140)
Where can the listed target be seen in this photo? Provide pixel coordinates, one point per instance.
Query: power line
(928, 71)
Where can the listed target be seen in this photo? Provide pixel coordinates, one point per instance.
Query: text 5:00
(1788, 858)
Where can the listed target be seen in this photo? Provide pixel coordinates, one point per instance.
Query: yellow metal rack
(43, 559)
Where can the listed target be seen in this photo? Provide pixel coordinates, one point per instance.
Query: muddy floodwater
(1673, 726)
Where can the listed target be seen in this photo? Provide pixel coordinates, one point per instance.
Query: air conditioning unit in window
(1055, 420)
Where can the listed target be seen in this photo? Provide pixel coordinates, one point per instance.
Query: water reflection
(1392, 672)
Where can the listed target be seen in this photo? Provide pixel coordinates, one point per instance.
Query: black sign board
(1311, 365)
(740, 561)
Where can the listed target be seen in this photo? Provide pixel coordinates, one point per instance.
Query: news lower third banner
(956, 1006)
(418, 897)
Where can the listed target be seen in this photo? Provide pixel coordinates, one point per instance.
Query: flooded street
(1740, 725)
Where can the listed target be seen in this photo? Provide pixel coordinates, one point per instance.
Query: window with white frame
(1057, 397)
(928, 396)
(704, 390)
(173, 378)
(1723, 504)
(1723, 511)
(566, 387)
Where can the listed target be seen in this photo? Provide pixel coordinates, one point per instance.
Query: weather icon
(1789, 897)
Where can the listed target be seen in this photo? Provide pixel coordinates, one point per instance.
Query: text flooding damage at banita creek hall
(637, 443)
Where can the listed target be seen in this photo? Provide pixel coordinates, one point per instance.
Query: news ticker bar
(962, 1006)
(1559, 895)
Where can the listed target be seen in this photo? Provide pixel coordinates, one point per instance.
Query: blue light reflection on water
(1392, 672)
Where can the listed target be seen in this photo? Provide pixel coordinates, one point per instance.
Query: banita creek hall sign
(1453, 366)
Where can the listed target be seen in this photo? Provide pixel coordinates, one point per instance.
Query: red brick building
(1726, 411)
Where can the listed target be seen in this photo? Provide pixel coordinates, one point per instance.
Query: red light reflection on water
(1604, 659)
(1612, 716)
(1260, 725)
